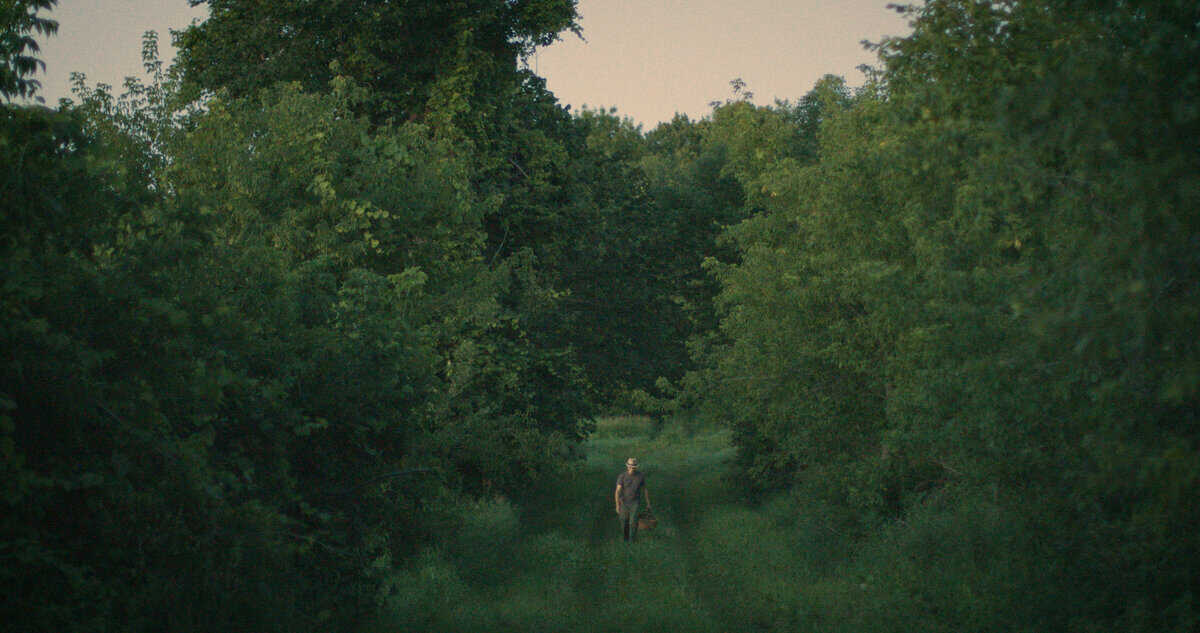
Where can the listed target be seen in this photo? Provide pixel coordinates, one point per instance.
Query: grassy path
(714, 565)
(562, 566)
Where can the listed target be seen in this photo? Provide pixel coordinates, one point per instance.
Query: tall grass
(717, 562)
(557, 563)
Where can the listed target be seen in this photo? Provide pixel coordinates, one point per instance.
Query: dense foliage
(255, 349)
(981, 296)
(294, 334)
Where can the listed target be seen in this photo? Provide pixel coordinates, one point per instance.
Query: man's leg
(631, 521)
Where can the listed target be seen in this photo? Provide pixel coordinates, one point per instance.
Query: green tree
(416, 58)
(455, 67)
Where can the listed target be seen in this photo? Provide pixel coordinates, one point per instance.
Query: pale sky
(649, 58)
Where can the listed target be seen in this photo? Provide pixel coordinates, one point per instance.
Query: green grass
(716, 563)
(558, 564)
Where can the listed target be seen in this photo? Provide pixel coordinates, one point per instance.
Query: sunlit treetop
(399, 50)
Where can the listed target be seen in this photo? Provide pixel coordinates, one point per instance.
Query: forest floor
(559, 564)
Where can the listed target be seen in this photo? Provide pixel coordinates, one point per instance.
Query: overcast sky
(649, 58)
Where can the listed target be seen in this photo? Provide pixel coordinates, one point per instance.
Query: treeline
(965, 328)
(275, 320)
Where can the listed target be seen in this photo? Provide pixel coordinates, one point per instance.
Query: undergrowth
(718, 562)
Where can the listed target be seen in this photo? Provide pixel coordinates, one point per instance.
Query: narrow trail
(685, 475)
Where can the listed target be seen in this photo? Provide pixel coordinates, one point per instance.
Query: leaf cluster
(19, 21)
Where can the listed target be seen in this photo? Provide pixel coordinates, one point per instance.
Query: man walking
(631, 485)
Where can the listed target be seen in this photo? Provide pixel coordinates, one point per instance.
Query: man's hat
(632, 461)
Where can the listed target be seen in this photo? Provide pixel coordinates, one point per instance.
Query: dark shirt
(631, 485)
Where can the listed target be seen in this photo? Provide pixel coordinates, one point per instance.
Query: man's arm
(646, 494)
(617, 498)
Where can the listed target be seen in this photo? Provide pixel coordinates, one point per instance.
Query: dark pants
(628, 516)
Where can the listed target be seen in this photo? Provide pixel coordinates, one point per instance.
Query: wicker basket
(646, 521)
